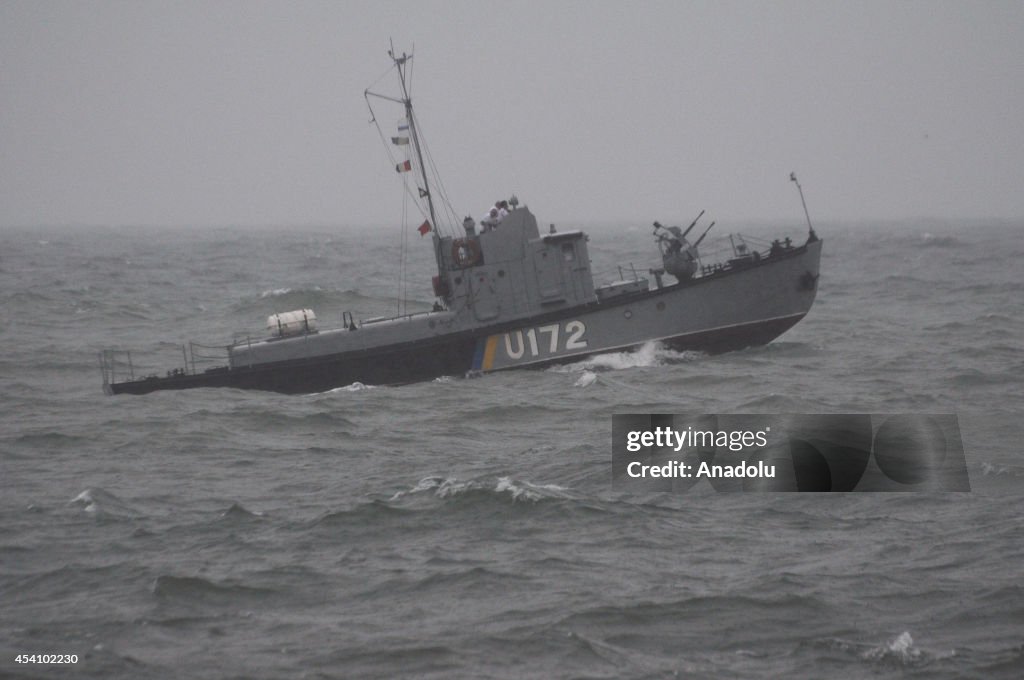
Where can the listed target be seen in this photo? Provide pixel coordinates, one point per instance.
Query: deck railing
(116, 365)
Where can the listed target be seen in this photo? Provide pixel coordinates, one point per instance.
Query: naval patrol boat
(509, 296)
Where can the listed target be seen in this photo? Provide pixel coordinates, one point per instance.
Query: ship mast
(400, 63)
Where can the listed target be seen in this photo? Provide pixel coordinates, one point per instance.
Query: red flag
(404, 167)
(424, 228)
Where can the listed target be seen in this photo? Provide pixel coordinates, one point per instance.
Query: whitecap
(647, 355)
(586, 379)
(102, 503)
(424, 484)
(524, 490)
(452, 487)
(86, 500)
(518, 492)
(901, 648)
(354, 387)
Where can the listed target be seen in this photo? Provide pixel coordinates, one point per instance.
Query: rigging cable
(443, 193)
(391, 156)
(442, 229)
(402, 251)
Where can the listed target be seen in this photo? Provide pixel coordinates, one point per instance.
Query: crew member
(490, 220)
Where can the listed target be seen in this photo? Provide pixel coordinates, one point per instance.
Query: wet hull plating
(726, 311)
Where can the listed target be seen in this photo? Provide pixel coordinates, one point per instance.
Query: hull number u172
(548, 339)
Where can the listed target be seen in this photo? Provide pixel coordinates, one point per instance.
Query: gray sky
(225, 113)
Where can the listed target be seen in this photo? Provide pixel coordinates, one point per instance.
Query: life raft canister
(466, 252)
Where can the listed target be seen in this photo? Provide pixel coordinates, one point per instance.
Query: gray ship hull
(722, 312)
(731, 309)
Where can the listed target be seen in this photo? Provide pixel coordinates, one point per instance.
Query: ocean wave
(279, 292)
(586, 379)
(50, 439)
(899, 651)
(949, 326)
(103, 504)
(731, 610)
(1005, 662)
(238, 513)
(425, 484)
(991, 288)
(326, 419)
(462, 580)
(354, 387)
(499, 487)
(905, 283)
(69, 582)
(397, 657)
(647, 355)
(975, 378)
(992, 316)
(775, 403)
(28, 296)
(278, 299)
(911, 240)
(363, 515)
(201, 590)
(452, 487)
(1003, 595)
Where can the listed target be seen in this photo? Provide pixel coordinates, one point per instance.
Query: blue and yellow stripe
(483, 357)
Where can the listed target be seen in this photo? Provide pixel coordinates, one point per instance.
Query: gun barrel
(693, 224)
(697, 243)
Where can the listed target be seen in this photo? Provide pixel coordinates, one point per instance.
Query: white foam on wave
(452, 487)
(277, 292)
(518, 492)
(901, 648)
(354, 387)
(646, 355)
(586, 379)
(86, 500)
(443, 487)
(239, 509)
(98, 502)
(424, 484)
(527, 491)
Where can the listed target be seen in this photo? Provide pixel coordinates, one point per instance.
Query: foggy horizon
(252, 114)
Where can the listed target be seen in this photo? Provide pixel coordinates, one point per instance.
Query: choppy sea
(467, 528)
